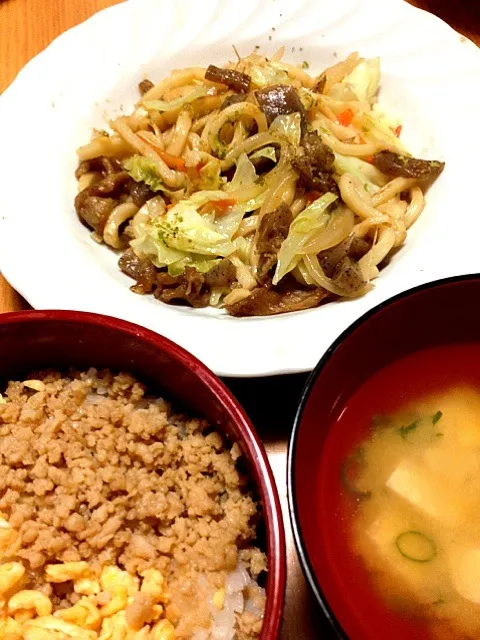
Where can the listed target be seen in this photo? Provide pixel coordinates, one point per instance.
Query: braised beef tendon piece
(320, 83)
(187, 287)
(222, 274)
(317, 152)
(144, 86)
(94, 204)
(348, 276)
(235, 98)
(280, 100)
(340, 263)
(272, 232)
(233, 79)
(352, 247)
(102, 164)
(140, 192)
(94, 210)
(268, 302)
(315, 165)
(143, 271)
(401, 166)
(193, 287)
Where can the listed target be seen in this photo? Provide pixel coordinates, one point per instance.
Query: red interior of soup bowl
(33, 340)
(441, 313)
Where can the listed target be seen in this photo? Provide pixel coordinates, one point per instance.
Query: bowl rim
(275, 534)
(300, 545)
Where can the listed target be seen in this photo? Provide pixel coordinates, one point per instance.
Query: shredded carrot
(220, 207)
(310, 197)
(200, 166)
(369, 159)
(398, 130)
(174, 162)
(345, 117)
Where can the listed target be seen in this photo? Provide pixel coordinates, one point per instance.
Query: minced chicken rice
(97, 475)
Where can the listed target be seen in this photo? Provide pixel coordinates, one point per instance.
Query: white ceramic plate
(430, 74)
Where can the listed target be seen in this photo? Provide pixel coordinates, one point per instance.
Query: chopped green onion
(404, 431)
(436, 417)
(415, 546)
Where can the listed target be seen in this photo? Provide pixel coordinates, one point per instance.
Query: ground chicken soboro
(92, 470)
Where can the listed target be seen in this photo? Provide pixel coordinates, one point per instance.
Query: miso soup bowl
(33, 340)
(444, 312)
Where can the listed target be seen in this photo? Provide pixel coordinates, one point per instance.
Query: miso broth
(405, 536)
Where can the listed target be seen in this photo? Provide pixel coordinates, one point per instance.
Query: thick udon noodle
(180, 139)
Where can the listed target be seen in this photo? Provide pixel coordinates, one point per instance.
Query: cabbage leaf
(267, 152)
(155, 249)
(209, 176)
(163, 105)
(200, 263)
(244, 176)
(364, 171)
(228, 223)
(388, 118)
(288, 127)
(364, 80)
(182, 230)
(302, 230)
(143, 169)
(374, 129)
(265, 75)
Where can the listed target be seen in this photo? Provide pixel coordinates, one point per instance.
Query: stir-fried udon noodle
(256, 187)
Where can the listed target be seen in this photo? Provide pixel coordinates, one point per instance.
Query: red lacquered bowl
(32, 340)
(446, 312)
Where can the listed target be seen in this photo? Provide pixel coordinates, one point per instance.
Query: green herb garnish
(305, 65)
(415, 546)
(436, 417)
(404, 431)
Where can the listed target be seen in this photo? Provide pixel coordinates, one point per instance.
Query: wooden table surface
(26, 27)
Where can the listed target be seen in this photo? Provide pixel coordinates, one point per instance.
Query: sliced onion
(224, 626)
(235, 602)
(336, 230)
(237, 580)
(316, 272)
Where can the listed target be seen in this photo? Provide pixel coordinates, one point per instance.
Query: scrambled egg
(113, 606)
